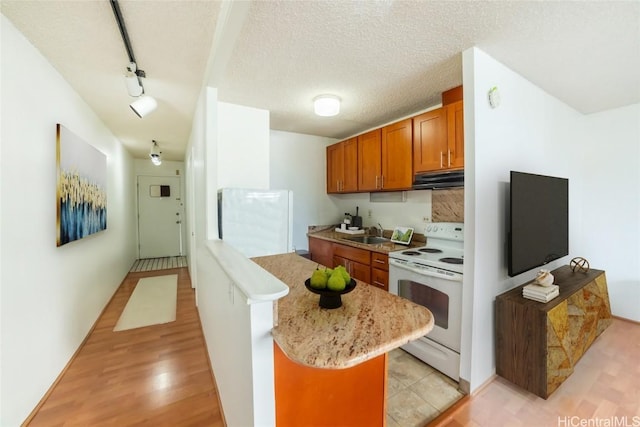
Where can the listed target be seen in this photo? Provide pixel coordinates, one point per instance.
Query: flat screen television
(538, 221)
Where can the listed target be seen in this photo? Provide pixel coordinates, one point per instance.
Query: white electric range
(431, 276)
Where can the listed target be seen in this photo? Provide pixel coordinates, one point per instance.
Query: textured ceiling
(385, 59)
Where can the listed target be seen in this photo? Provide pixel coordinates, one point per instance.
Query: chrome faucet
(381, 230)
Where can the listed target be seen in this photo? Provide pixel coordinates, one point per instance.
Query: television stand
(538, 344)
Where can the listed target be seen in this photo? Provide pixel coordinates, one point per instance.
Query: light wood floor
(153, 376)
(604, 389)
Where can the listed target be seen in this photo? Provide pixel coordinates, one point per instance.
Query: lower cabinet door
(360, 271)
(380, 278)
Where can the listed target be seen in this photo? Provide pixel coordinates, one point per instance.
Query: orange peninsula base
(309, 396)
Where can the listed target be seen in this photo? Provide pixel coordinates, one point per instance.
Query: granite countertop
(384, 248)
(370, 322)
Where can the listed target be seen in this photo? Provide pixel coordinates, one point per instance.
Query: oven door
(441, 294)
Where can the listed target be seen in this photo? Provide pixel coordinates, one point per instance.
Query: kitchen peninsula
(330, 365)
(279, 359)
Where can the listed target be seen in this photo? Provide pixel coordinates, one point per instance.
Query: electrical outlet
(425, 219)
(369, 214)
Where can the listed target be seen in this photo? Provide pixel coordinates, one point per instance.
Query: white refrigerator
(256, 222)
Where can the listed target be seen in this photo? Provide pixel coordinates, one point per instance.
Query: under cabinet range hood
(435, 180)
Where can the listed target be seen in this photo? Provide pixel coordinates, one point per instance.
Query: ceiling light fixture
(143, 105)
(155, 154)
(326, 105)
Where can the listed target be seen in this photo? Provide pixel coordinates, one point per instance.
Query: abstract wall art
(81, 190)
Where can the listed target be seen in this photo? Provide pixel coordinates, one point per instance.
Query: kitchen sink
(368, 240)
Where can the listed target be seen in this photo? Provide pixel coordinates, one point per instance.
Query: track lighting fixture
(145, 104)
(154, 154)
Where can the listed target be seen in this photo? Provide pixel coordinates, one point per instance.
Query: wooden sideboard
(538, 344)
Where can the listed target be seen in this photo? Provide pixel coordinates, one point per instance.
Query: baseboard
(42, 401)
(464, 386)
(624, 319)
(484, 384)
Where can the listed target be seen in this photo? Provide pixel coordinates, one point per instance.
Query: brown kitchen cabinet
(356, 261)
(438, 139)
(369, 160)
(384, 158)
(455, 135)
(321, 251)
(342, 167)
(397, 173)
(380, 270)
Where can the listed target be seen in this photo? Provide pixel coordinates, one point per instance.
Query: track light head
(143, 105)
(154, 154)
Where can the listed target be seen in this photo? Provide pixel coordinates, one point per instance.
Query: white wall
(229, 147)
(409, 213)
(298, 163)
(237, 332)
(531, 132)
(534, 132)
(243, 147)
(50, 297)
(610, 234)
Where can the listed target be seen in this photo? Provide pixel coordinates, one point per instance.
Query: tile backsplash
(447, 205)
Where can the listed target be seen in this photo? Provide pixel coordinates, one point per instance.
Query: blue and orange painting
(81, 188)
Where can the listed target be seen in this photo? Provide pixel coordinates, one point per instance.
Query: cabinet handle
(381, 285)
(441, 155)
(382, 179)
(449, 158)
(377, 181)
(379, 261)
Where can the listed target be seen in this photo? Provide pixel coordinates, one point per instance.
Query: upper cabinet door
(430, 141)
(350, 174)
(455, 137)
(397, 171)
(369, 161)
(335, 167)
(342, 167)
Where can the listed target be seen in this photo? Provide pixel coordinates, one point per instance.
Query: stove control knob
(428, 228)
(435, 228)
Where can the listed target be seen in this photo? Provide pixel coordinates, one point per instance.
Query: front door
(160, 211)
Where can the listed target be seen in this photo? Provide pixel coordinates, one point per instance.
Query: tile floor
(416, 393)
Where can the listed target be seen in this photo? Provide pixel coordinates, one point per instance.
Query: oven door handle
(453, 278)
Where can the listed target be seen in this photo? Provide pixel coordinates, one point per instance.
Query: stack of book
(540, 293)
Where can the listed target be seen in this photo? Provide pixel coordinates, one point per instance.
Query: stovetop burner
(451, 260)
(412, 253)
(431, 250)
(443, 250)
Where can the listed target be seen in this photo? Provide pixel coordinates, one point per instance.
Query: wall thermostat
(494, 97)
